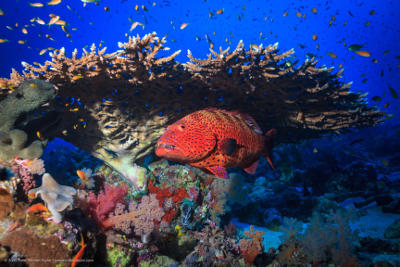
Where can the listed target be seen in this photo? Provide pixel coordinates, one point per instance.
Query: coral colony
(123, 212)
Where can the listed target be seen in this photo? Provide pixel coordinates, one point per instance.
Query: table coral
(57, 197)
(128, 97)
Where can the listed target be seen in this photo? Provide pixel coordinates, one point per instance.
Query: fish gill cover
(122, 71)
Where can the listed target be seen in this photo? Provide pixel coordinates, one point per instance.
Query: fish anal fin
(252, 168)
(218, 171)
(228, 146)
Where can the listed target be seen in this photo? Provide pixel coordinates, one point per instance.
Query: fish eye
(181, 127)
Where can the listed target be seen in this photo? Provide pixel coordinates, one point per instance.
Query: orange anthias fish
(39, 207)
(216, 139)
(79, 255)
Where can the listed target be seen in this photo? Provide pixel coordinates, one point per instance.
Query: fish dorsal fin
(252, 168)
(227, 146)
(249, 120)
(218, 171)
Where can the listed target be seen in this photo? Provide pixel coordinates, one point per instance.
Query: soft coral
(100, 206)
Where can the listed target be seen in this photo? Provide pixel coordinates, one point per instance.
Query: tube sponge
(13, 144)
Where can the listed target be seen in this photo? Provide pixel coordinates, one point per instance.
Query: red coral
(100, 206)
(253, 246)
(168, 193)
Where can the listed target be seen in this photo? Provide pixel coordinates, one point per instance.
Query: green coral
(30, 95)
(14, 144)
(158, 261)
(117, 257)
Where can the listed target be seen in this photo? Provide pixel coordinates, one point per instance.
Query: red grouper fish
(216, 139)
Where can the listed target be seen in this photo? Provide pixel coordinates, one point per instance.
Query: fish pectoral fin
(218, 171)
(252, 168)
(228, 146)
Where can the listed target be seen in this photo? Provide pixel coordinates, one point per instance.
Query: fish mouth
(166, 146)
(170, 152)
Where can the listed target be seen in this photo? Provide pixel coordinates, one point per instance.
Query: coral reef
(57, 197)
(140, 216)
(98, 207)
(25, 171)
(9, 208)
(14, 144)
(252, 246)
(37, 251)
(137, 94)
(29, 95)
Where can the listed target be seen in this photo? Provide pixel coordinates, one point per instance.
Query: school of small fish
(142, 10)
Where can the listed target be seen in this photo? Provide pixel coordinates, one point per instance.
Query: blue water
(373, 24)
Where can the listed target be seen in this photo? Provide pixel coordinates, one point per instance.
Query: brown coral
(38, 252)
(9, 208)
(253, 246)
(129, 96)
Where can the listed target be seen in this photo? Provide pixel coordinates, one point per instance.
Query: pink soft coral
(142, 216)
(98, 207)
(25, 170)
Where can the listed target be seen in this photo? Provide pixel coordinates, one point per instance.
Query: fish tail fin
(268, 145)
(82, 243)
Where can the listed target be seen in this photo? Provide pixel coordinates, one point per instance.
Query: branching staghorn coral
(127, 98)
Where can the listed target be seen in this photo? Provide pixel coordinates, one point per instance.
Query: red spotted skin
(198, 137)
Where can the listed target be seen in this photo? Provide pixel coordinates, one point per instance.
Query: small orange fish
(61, 22)
(363, 53)
(79, 255)
(314, 10)
(298, 14)
(315, 37)
(332, 55)
(39, 207)
(39, 135)
(40, 21)
(77, 77)
(24, 31)
(184, 25)
(41, 53)
(54, 2)
(81, 175)
(135, 24)
(15, 225)
(220, 11)
(215, 139)
(36, 4)
(53, 20)
(285, 14)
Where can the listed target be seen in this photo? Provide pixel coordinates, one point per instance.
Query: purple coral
(25, 170)
(98, 207)
(140, 216)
